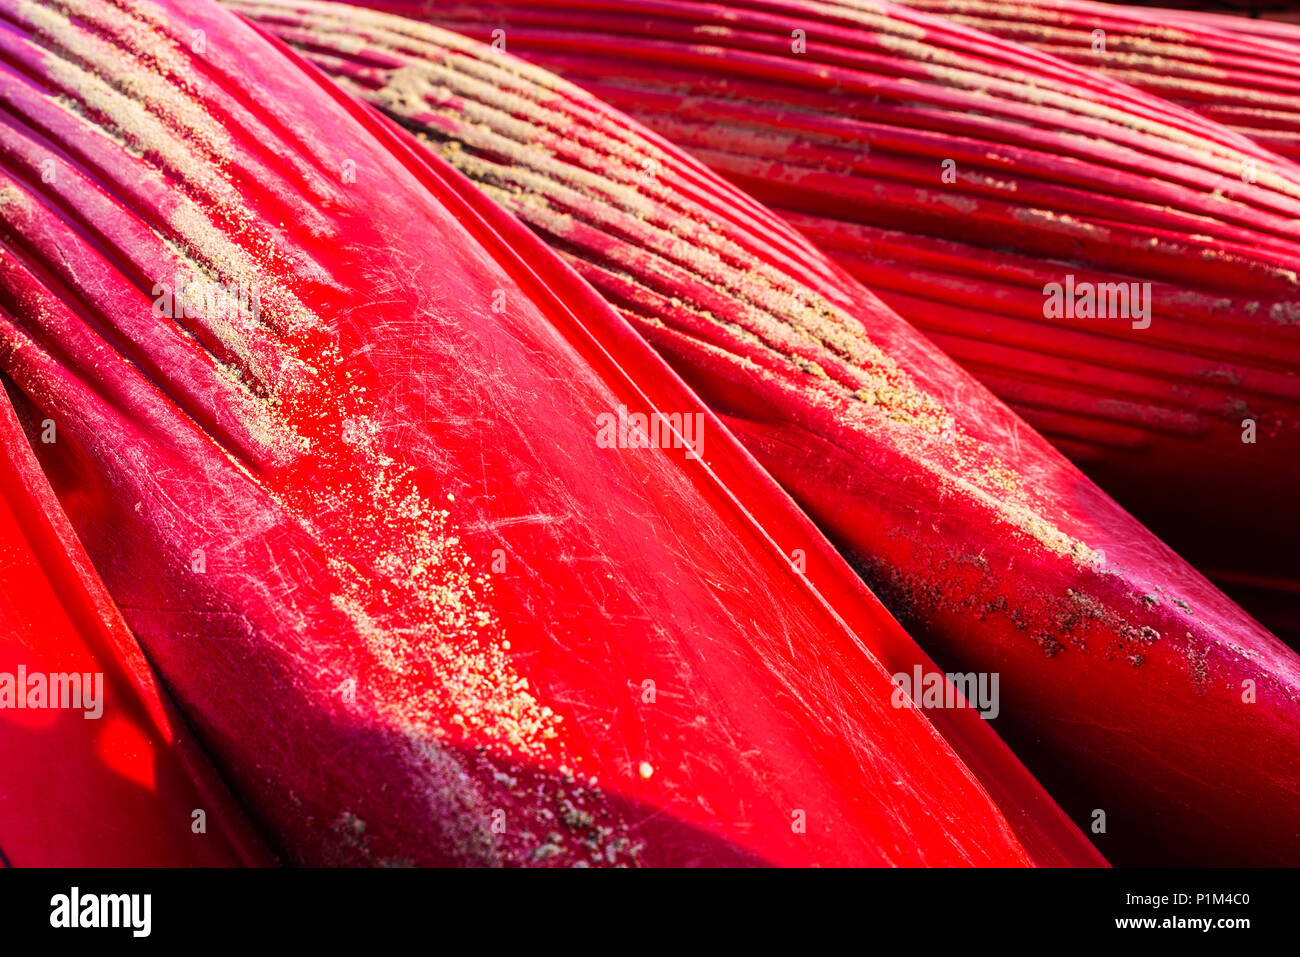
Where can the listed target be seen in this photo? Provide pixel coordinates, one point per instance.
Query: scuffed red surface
(367, 537)
(1122, 669)
(1059, 170)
